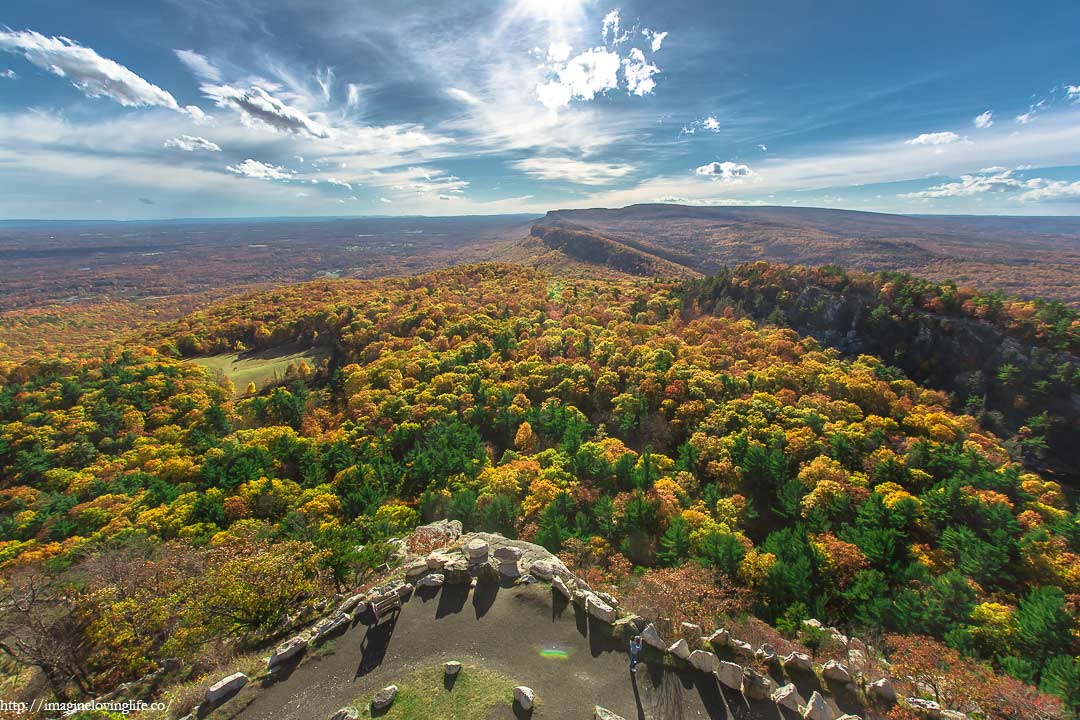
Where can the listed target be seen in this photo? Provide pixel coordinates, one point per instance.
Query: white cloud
(1042, 190)
(984, 120)
(94, 75)
(450, 197)
(937, 138)
(191, 143)
(1001, 180)
(303, 194)
(708, 202)
(595, 71)
(559, 51)
(339, 183)
(198, 64)
(581, 78)
(711, 123)
(1025, 118)
(725, 172)
(463, 96)
(763, 148)
(657, 38)
(258, 107)
(610, 29)
(388, 201)
(9, 74)
(639, 73)
(353, 95)
(260, 171)
(1072, 92)
(576, 171)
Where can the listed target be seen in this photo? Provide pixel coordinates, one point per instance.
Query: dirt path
(505, 629)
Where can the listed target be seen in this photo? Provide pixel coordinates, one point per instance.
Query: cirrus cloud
(94, 75)
(258, 107)
(191, 143)
(581, 172)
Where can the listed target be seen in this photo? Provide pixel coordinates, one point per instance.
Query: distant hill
(1026, 257)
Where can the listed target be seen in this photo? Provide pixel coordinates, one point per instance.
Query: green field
(426, 694)
(265, 367)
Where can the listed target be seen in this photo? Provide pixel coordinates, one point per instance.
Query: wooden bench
(383, 605)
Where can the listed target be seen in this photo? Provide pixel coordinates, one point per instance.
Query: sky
(128, 109)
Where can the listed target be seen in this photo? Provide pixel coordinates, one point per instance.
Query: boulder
(225, 687)
(433, 580)
(350, 603)
(288, 649)
(599, 609)
(453, 667)
(766, 653)
(680, 649)
(756, 686)
(628, 626)
(953, 715)
(729, 674)
(925, 708)
(509, 570)
(882, 691)
(817, 708)
(543, 569)
(799, 661)
(485, 573)
(788, 696)
(560, 586)
(437, 560)
(836, 671)
(703, 660)
(741, 647)
(600, 713)
(720, 638)
(382, 699)
(849, 716)
(346, 713)
(416, 568)
(507, 554)
(651, 637)
(451, 528)
(524, 697)
(476, 550)
(330, 625)
(457, 572)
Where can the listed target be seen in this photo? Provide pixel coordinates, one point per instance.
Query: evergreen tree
(674, 543)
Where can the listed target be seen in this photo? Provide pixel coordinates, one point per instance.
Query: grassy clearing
(423, 695)
(262, 368)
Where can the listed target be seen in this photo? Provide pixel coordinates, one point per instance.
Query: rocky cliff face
(595, 248)
(959, 355)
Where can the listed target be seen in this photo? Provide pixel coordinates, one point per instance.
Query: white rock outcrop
(384, 698)
(225, 687)
(704, 660)
(788, 696)
(836, 671)
(524, 697)
(817, 708)
(651, 637)
(799, 661)
(680, 649)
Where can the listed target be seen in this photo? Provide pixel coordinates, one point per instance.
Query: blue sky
(207, 108)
